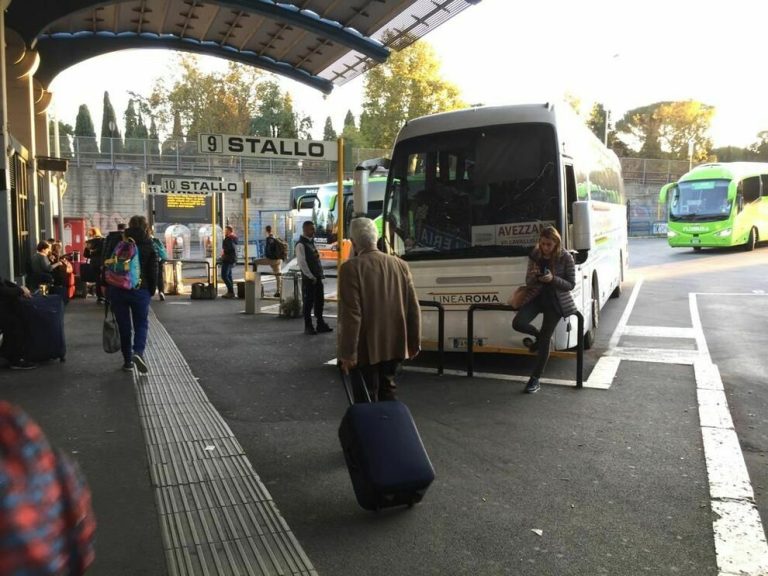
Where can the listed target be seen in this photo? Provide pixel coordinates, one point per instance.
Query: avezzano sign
(194, 186)
(263, 147)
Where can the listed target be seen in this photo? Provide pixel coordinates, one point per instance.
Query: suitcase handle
(346, 381)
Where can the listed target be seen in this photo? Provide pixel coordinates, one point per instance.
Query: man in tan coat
(379, 316)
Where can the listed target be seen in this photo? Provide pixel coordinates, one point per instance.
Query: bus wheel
(697, 248)
(751, 241)
(591, 335)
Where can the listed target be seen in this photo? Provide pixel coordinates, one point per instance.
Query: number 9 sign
(210, 144)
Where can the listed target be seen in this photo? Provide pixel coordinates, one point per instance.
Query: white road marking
(619, 330)
(740, 543)
(659, 332)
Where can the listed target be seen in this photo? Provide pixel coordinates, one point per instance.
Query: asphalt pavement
(605, 480)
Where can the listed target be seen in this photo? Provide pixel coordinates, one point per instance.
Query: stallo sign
(193, 186)
(264, 147)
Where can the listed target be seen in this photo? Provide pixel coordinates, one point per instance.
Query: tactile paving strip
(216, 516)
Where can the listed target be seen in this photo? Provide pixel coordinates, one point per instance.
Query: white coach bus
(467, 194)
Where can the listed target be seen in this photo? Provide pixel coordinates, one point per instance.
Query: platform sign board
(265, 147)
(185, 200)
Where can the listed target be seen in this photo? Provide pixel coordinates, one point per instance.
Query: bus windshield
(700, 200)
(473, 193)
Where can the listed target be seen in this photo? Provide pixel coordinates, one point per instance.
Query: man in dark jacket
(131, 306)
(311, 279)
(228, 260)
(12, 325)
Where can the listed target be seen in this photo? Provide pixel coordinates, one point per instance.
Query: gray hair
(363, 233)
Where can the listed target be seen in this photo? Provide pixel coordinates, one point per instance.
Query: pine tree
(329, 133)
(111, 141)
(154, 140)
(132, 146)
(86, 136)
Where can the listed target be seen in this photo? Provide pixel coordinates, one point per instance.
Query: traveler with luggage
(131, 273)
(549, 280)
(311, 280)
(41, 267)
(276, 250)
(162, 256)
(63, 273)
(12, 324)
(379, 315)
(228, 260)
(94, 249)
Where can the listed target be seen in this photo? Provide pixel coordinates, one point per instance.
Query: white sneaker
(162, 296)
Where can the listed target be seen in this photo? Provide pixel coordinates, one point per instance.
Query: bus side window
(751, 189)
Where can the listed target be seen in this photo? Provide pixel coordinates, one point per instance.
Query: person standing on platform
(379, 314)
(131, 306)
(311, 279)
(228, 260)
(162, 256)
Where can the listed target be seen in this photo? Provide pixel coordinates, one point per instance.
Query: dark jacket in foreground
(562, 283)
(147, 258)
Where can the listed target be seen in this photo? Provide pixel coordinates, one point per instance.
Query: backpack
(159, 249)
(123, 268)
(281, 249)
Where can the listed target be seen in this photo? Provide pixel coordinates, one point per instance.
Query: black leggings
(542, 304)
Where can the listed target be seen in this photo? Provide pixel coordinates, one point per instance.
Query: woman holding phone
(549, 280)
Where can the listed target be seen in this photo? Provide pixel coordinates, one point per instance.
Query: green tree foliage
(86, 136)
(664, 130)
(275, 115)
(215, 102)
(760, 148)
(406, 86)
(732, 154)
(111, 141)
(65, 134)
(132, 144)
(154, 140)
(328, 132)
(352, 139)
(598, 118)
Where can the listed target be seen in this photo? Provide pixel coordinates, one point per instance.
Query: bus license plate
(695, 240)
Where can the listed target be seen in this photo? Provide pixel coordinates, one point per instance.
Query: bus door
(571, 196)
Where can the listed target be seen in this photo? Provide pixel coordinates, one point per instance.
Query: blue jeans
(226, 276)
(131, 307)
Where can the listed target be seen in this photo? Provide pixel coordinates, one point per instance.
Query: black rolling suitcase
(203, 291)
(44, 325)
(385, 456)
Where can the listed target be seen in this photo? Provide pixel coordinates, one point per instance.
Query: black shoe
(161, 296)
(128, 367)
(22, 364)
(323, 327)
(309, 330)
(141, 366)
(531, 344)
(277, 294)
(533, 386)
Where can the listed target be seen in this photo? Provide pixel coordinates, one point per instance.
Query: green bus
(718, 205)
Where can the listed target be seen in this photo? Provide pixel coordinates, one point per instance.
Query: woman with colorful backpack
(131, 274)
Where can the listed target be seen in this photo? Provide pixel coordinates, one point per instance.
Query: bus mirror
(663, 192)
(582, 226)
(580, 256)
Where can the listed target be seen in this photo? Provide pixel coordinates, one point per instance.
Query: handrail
(440, 330)
(471, 339)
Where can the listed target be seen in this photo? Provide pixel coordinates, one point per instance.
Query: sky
(623, 55)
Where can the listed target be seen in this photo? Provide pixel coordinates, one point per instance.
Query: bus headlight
(723, 233)
(671, 233)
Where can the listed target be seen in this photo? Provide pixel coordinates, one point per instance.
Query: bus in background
(469, 192)
(306, 192)
(326, 216)
(718, 205)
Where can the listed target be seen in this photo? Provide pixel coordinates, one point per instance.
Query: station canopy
(322, 43)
